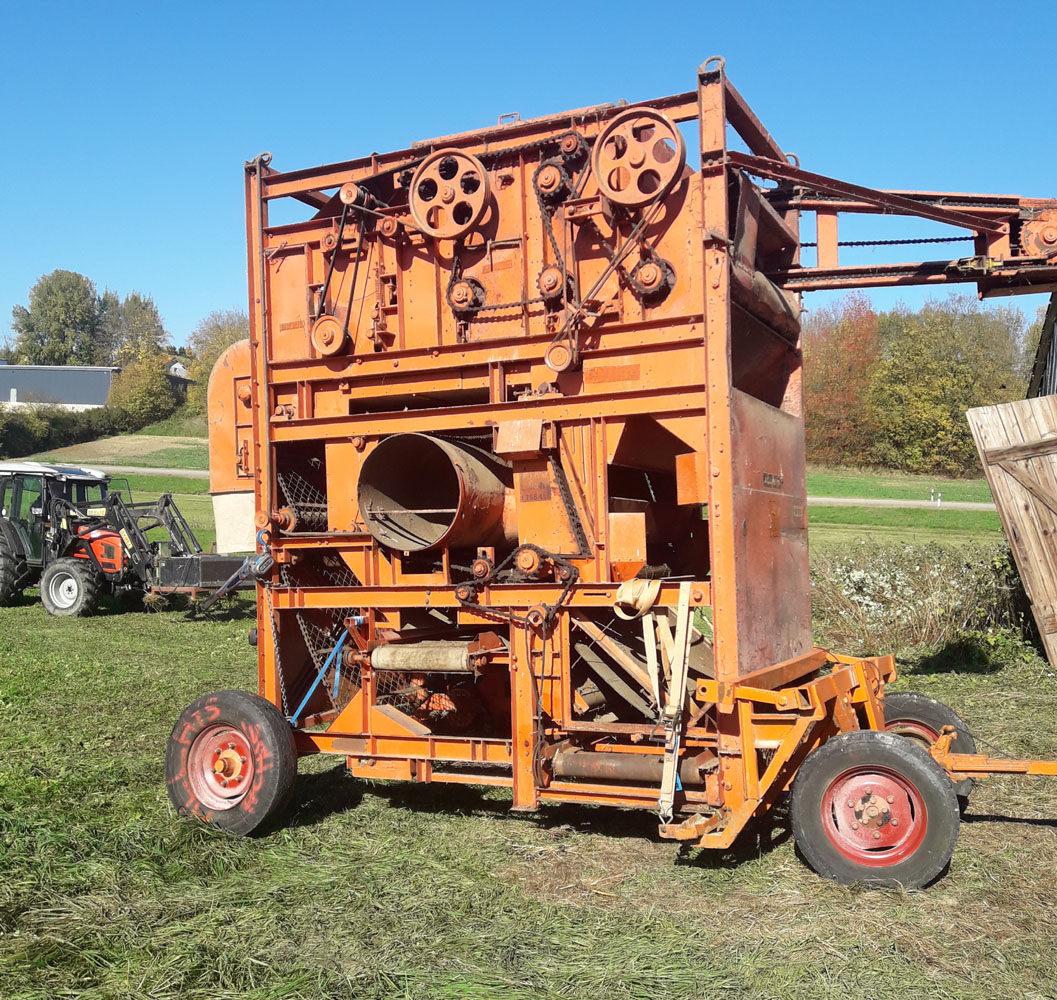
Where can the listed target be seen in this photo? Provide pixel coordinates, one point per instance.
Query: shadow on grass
(320, 795)
(23, 600)
(968, 655)
(317, 796)
(971, 817)
(223, 611)
(761, 836)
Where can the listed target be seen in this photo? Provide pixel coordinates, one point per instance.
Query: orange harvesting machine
(519, 424)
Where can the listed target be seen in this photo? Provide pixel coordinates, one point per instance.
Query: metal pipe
(418, 492)
(441, 657)
(610, 766)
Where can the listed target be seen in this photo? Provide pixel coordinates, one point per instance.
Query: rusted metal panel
(770, 514)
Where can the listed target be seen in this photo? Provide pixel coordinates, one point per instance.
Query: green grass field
(893, 485)
(828, 526)
(401, 891)
(397, 891)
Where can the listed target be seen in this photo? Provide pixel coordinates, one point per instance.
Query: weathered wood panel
(1017, 443)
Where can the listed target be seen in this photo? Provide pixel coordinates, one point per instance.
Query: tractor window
(7, 491)
(58, 489)
(88, 492)
(29, 504)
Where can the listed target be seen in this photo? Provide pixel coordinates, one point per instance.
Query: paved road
(132, 470)
(920, 504)
(136, 470)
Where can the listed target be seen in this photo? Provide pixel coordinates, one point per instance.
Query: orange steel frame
(703, 387)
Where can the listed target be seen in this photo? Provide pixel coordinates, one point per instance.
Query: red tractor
(64, 529)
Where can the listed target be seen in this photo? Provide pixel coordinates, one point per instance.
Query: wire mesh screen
(307, 502)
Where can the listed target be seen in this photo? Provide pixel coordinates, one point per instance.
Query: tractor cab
(28, 494)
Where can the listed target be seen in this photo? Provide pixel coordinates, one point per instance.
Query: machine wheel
(921, 719)
(70, 586)
(8, 574)
(231, 761)
(873, 808)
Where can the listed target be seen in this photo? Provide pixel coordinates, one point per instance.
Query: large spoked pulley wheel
(449, 193)
(873, 808)
(231, 761)
(70, 587)
(921, 719)
(639, 155)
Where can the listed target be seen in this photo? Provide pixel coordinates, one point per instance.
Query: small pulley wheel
(639, 155)
(449, 193)
(328, 336)
(560, 356)
(552, 283)
(466, 296)
(652, 278)
(551, 181)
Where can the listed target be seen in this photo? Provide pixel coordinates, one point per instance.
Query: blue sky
(126, 125)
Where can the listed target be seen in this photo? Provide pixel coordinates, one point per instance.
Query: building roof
(6, 366)
(52, 470)
(84, 385)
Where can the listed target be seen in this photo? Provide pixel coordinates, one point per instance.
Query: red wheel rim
(874, 816)
(220, 766)
(912, 729)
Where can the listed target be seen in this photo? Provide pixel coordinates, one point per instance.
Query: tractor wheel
(231, 761)
(873, 808)
(921, 719)
(9, 574)
(70, 586)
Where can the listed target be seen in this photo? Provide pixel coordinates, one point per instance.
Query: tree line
(881, 389)
(68, 322)
(890, 389)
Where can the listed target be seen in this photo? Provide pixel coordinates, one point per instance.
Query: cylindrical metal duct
(609, 766)
(419, 492)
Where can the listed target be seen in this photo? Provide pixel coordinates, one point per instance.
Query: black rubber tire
(905, 706)
(274, 760)
(9, 574)
(864, 756)
(70, 587)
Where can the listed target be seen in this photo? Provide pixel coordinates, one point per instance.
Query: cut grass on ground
(153, 451)
(372, 890)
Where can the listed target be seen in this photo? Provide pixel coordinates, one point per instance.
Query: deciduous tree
(841, 348)
(213, 335)
(142, 391)
(61, 323)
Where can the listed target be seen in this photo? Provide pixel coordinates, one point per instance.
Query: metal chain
(547, 213)
(568, 503)
(550, 610)
(547, 210)
(275, 648)
(636, 232)
(899, 243)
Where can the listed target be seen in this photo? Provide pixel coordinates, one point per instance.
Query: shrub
(142, 393)
(872, 598)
